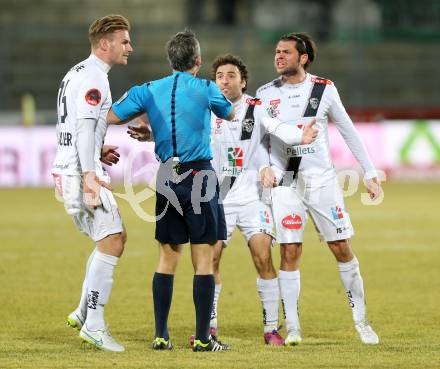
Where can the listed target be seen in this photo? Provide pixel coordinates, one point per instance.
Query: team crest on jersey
(248, 125)
(93, 97)
(314, 103)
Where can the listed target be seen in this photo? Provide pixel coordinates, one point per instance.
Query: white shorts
(253, 218)
(96, 223)
(325, 205)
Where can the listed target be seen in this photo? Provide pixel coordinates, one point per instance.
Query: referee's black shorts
(203, 224)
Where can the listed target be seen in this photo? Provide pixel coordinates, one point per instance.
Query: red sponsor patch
(321, 81)
(93, 96)
(275, 102)
(253, 101)
(292, 221)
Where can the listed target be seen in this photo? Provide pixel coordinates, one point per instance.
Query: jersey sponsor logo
(337, 213)
(320, 80)
(235, 156)
(235, 162)
(264, 216)
(292, 221)
(93, 97)
(218, 126)
(314, 103)
(255, 101)
(299, 150)
(275, 102)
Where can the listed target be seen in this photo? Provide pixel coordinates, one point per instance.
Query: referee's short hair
(182, 50)
(106, 25)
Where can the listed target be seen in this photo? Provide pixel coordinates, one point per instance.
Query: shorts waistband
(195, 165)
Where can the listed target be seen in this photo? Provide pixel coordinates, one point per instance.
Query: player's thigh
(255, 218)
(290, 216)
(327, 209)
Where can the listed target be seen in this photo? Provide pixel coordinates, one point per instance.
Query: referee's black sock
(203, 295)
(162, 296)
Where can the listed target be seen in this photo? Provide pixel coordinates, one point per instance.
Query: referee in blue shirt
(179, 110)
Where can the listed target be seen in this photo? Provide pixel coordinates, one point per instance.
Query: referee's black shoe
(211, 345)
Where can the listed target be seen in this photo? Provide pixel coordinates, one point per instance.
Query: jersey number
(62, 100)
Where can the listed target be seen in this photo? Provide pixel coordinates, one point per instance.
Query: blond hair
(105, 26)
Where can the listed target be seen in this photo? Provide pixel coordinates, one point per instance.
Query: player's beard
(291, 71)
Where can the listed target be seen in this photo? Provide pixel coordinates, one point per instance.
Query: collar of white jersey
(100, 63)
(295, 85)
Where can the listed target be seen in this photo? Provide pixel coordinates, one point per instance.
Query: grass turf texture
(42, 266)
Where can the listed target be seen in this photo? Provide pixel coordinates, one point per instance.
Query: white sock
(100, 281)
(290, 286)
(82, 307)
(213, 322)
(354, 287)
(268, 291)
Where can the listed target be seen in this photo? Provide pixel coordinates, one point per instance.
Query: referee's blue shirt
(179, 110)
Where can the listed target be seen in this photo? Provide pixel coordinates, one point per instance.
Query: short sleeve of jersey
(91, 95)
(132, 102)
(218, 104)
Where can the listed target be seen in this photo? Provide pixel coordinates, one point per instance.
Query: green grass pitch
(42, 262)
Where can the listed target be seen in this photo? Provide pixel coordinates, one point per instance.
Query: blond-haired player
(83, 101)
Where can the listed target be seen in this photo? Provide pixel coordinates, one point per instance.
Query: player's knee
(291, 252)
(341, 249)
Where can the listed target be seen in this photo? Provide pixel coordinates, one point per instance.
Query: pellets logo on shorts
(264, 217)
(292, 221)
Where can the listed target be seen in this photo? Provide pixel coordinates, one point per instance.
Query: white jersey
(237, 150)
(84, 94)
(298, 104)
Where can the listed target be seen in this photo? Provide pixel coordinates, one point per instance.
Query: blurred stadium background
(383, 56)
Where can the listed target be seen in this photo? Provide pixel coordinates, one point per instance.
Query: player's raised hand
(92, 188)
(109, 155)
(310, 133)
(374, 188)
(268, 178)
